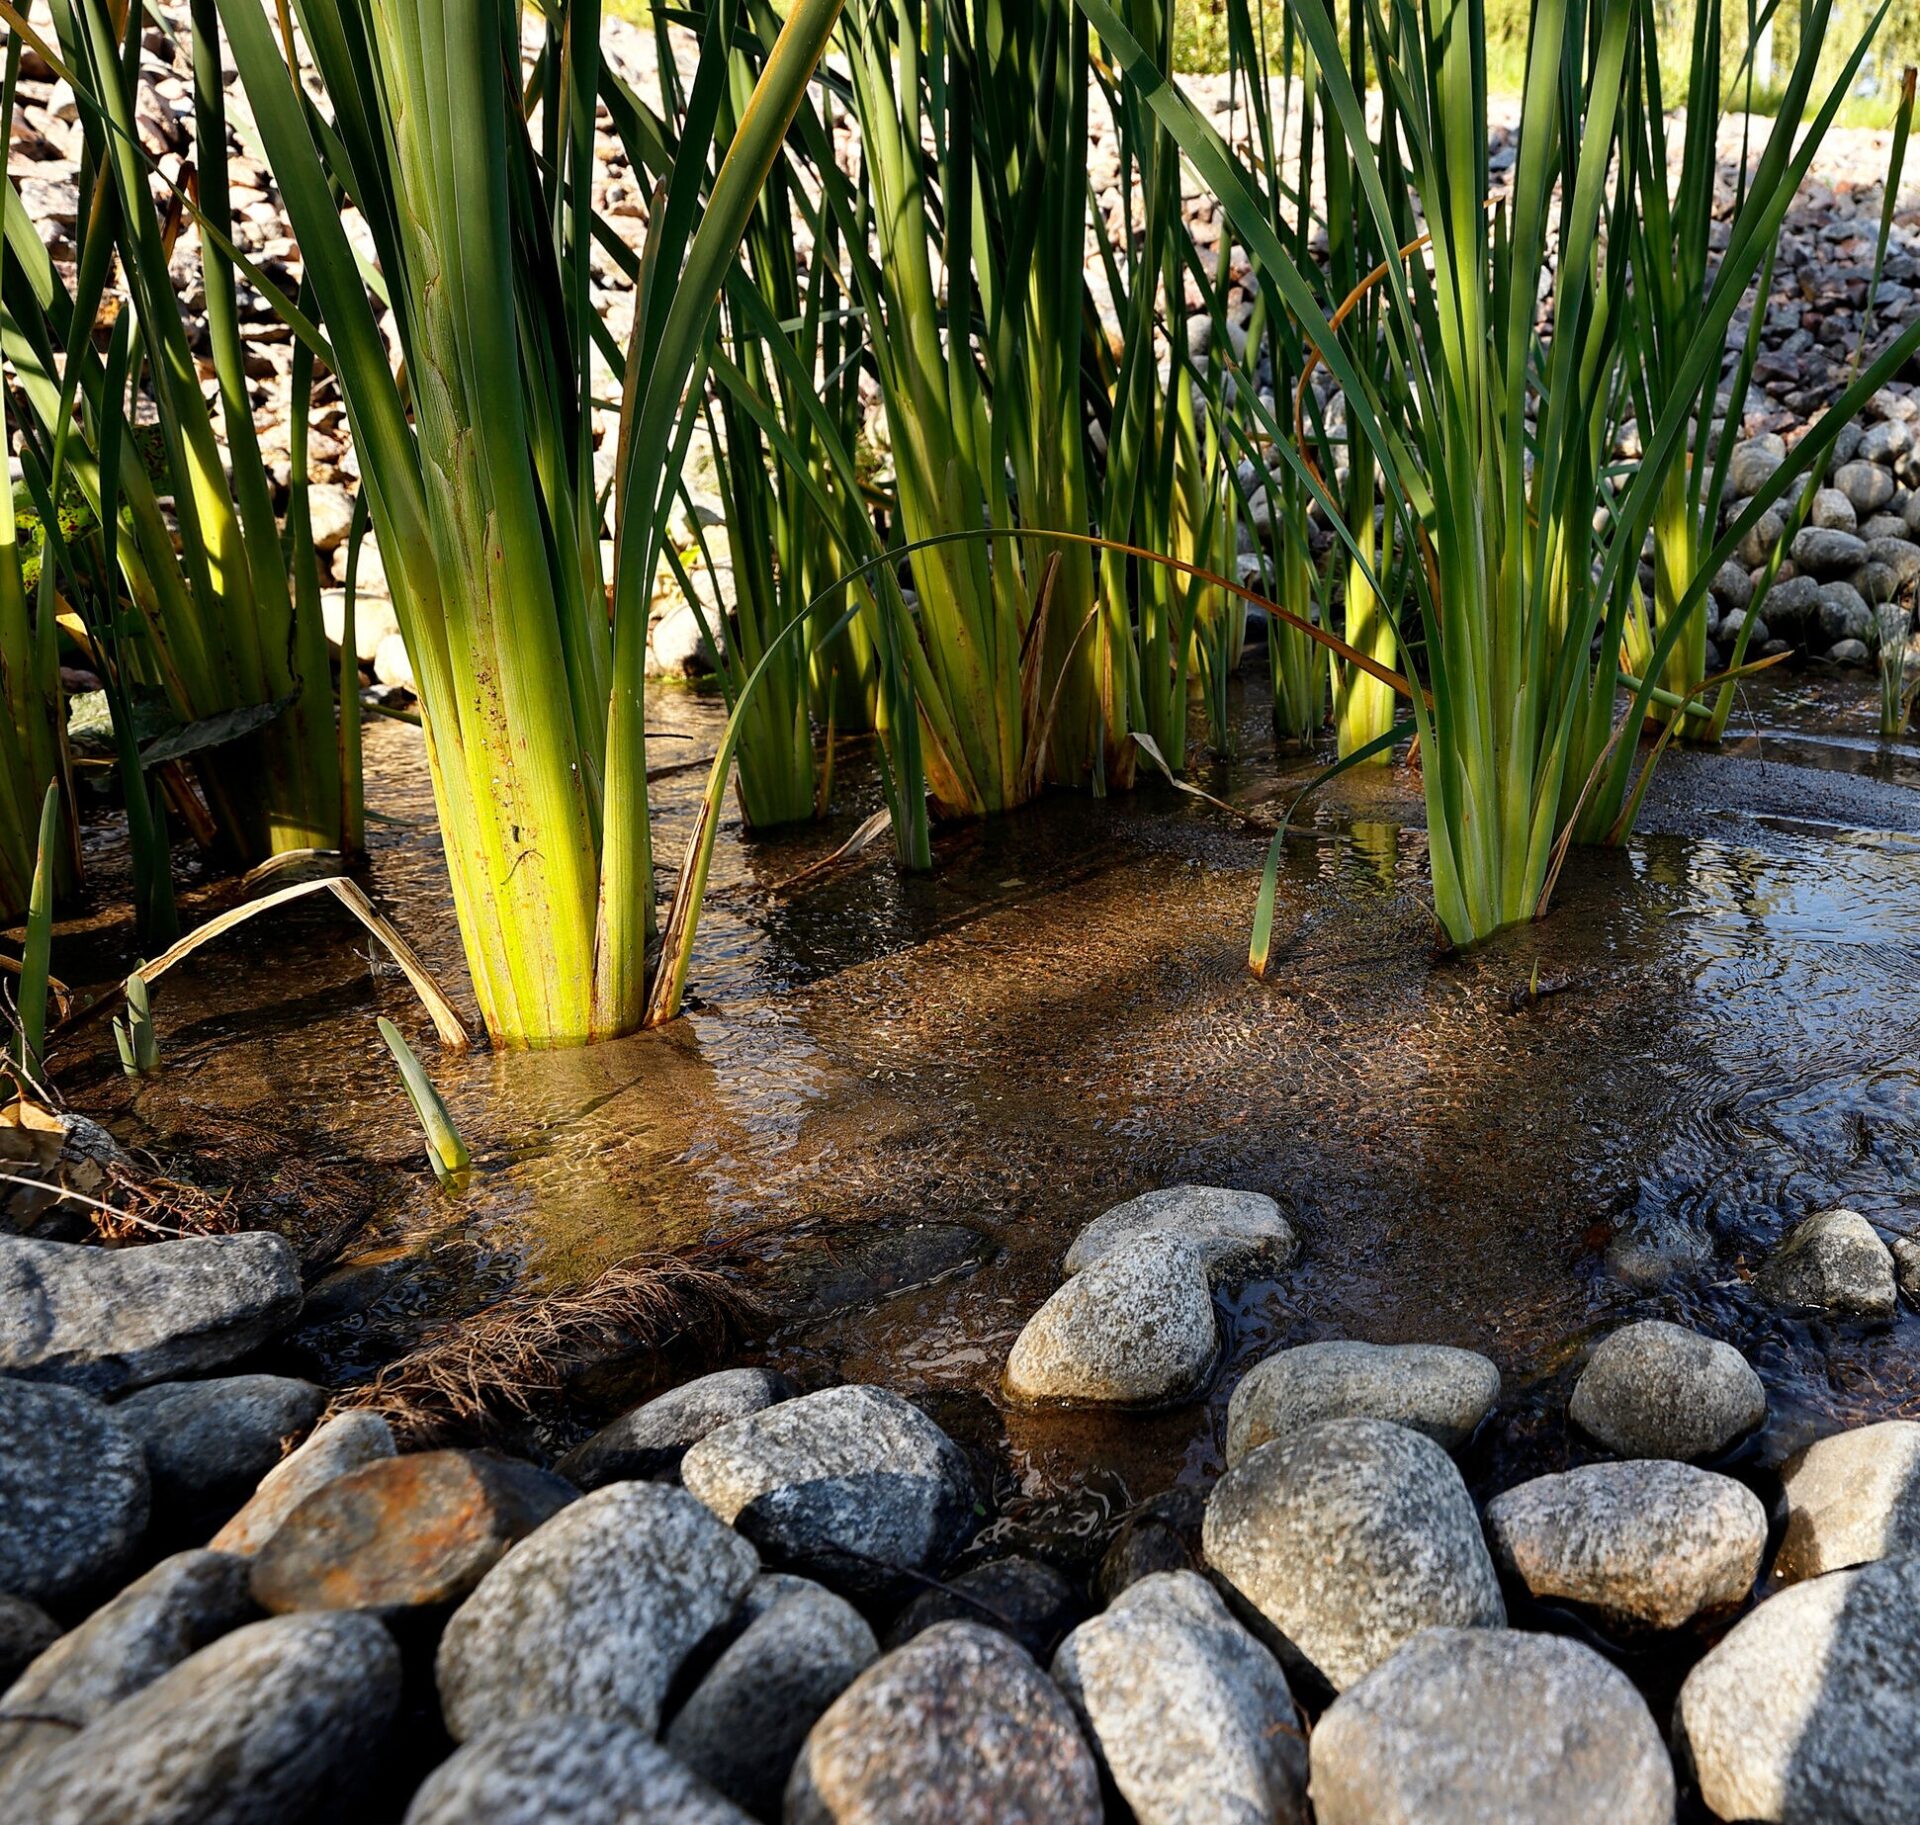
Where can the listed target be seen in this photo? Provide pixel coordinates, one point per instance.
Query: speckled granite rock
(593, 1613)
(104, 1319)
(852, 1485)
(1491, 1727)
(1658, 1390)
(1350, 1538)
(1648, 1544)
(1135, 1328)
(1850, 1499)
(652, 1439)
(272, 1725)
(175, 1610)
(1428, 1388)
(743, 1725)
(1808, 1713)
(1192, 1716)
(566, 1771)
(1236, 1233)
(959, 1727)
(73, 1493)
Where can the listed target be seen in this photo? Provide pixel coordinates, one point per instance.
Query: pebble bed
(224, 1597)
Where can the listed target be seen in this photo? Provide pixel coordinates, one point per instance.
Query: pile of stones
(221, 1603)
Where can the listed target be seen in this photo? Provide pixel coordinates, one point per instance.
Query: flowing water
(900, 1098)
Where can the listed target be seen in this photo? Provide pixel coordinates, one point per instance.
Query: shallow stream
(902, 1097)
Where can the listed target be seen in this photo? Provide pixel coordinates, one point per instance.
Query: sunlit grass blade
(446, 1152)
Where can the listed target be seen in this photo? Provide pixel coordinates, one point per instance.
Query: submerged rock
(1648, 1545)
(1850, 1499)
(104, 1319)
(1808, 1713)
(1351, 1537)
(1020, 1597)
(1191, 1715)
(1444, 1393)
(273, 1724)
(1236, 1233)
(852, 1485)
(1906, 1268)
(1491, 1727)
(959, 1727)
(566, 1771)
(73, 1492)
(209, 1442)
(1833, 1261)
(743, 1726)
(592, 1613)
(1135, 1328)
(344, 1443)
(1162, 1534)
(651, 1440)
(404, 1532)
(1658, 1390)
(155, 1623)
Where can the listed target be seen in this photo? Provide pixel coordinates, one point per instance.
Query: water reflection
(1060, 1017)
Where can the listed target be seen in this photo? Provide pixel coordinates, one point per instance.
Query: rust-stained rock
(403, 1532)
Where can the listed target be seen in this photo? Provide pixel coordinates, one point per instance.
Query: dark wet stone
(104, 1319)
(1491, 1727)
(1833, 1261)
(1236, 1233)
(208, 1443)
(1850, 1499)
(1351, 1537)
(272, 1725)
(852, 1485)
(1161, 1535)
(73, 1493)
(1024, 1598)
(344, 1443)
(594, 1613)
(1649, 1544)
(1191, 1715)
(1659, 1390)
(404, 1532)
(1134, 1328)
(842, 1270)
(1808, 1712)
(567, 1771)
(26, 1631)
(651, 1440)
(1428, 1388)
(175, 1610)
(743, 1725)
(959, 1727)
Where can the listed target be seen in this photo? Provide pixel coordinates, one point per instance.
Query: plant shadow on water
(901, 1098)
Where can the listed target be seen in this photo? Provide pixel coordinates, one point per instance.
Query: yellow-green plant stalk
(479, 477)
(32, 719)
(1517, 543)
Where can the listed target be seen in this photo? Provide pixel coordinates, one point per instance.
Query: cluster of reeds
(1390, 395)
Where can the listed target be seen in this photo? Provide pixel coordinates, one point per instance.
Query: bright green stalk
(446, 1152)
(974, 609)
(480, 483)
(35, 955)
